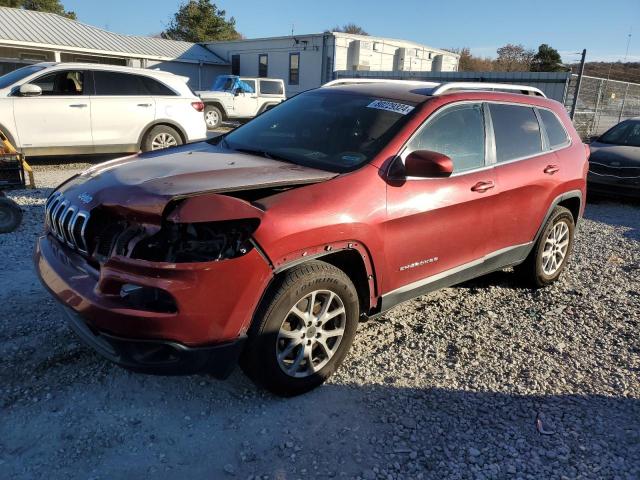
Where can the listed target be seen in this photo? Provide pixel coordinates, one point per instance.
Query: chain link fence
(602, 103)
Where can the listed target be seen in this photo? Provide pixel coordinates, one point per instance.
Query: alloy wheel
(555, 248)
(311, 333)
(163, 140)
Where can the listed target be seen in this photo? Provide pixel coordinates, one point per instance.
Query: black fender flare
(264, 107)
(557, 201)
(218, 105)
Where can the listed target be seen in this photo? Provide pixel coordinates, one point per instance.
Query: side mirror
(593, 138)
(30, 90)
(427, 164)
(237, 91)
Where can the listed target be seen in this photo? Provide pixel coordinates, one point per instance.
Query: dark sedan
(614, 165)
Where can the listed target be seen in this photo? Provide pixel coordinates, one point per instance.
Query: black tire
(212, 116)
(532, 271)
(10, 215)
(259, 360)
(159, 133)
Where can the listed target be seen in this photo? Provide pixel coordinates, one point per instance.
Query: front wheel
(550, 254)
(303, 329)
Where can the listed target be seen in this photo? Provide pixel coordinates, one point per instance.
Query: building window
(235, 64)
(263, 65)
(294, 69)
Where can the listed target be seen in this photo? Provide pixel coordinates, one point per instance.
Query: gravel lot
(486, 380)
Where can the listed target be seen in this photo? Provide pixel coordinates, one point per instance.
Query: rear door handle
(551, 169)
(78, 105)
(482, 187)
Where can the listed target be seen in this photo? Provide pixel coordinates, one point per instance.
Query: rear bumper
(159, 357)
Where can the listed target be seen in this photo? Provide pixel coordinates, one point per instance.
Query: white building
(302, 61)
(28, 37)
(308, 61)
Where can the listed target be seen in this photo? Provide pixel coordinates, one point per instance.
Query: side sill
(494, 261)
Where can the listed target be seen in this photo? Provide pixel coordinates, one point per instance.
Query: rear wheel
(303, 329)
(212, 116)
(161, 137)
(10, 215)
(550, 255)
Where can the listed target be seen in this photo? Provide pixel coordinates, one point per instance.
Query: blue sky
(569, 26)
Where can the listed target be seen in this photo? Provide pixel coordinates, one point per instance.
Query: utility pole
(578, 84)
(626, 53)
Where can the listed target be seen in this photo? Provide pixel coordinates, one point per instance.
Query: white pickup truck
(240, 98)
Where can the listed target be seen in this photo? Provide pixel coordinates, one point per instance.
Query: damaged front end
(176, 242)
(193, 230)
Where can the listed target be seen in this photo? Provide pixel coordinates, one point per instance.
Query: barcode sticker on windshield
(400, 108)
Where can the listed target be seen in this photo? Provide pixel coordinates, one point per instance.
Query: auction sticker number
(400, 108)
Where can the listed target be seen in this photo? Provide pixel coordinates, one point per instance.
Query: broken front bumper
(158, 356)
(194, 310)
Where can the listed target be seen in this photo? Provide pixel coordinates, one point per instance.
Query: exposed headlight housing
(197, 242)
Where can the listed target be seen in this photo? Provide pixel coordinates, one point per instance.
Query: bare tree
(514, 58)
(350, 28)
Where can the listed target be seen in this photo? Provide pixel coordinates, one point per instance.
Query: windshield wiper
(260, 153)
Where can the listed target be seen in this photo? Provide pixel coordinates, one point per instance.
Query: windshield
(17, 75)
(225, 83)
(324, 129)
(625, 133)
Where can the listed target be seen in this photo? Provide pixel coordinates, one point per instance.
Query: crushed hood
(146, 183)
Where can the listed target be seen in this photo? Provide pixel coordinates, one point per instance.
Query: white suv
(240, 98)
(75, 108)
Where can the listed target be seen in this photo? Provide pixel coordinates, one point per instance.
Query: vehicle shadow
(500, 278)
(130, 426)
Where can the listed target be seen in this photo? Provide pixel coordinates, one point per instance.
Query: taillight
(199, 106)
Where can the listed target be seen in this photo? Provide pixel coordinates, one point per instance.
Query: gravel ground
(486, 380)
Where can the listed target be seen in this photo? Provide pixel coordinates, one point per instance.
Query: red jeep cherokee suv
(267, 245)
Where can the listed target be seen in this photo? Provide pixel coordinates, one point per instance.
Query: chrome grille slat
(67, 222)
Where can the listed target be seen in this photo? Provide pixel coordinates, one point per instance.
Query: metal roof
(48, 30)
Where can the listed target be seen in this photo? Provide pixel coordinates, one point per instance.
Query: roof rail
(351, 81)
(446, 87)
(442, 88)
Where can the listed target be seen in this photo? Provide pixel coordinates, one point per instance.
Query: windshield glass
(17, 75)
(333, 131)
(625, 133)
(223, 84)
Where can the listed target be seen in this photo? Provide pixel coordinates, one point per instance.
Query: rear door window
(269, 87)
(516, 130)
(556, 133)
(154, 87)
(458, 133)
(119, 84)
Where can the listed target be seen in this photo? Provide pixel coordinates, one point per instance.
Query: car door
(437, 225)
(122, 108)
(527, 173)
(245, 102)
(60, 117)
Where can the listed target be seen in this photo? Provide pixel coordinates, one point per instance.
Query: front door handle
(144, 104)
(551, 169)
(482, 187)
(78, 105)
